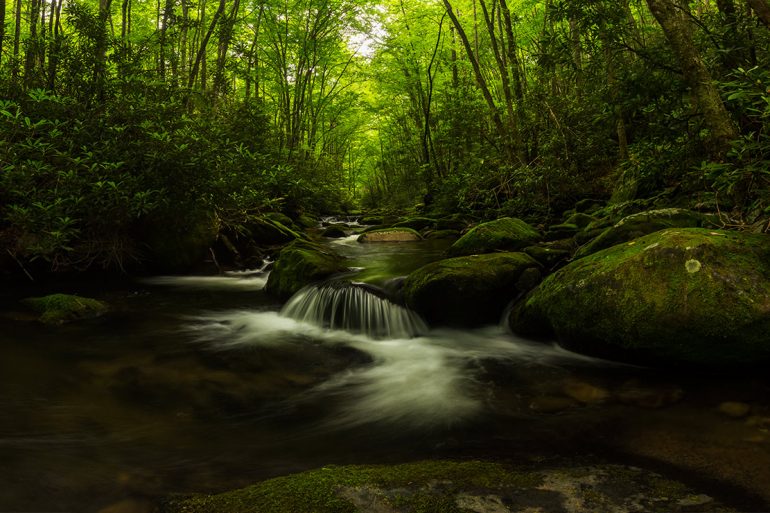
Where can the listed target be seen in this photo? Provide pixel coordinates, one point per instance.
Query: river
(204, 384)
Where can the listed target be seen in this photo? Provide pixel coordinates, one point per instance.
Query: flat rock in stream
(390, 235)
(457, 487)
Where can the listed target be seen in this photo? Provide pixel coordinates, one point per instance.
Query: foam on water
(419, 382)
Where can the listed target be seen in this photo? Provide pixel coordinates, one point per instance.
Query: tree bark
(476, 70)
(674, 17)
(762, 9)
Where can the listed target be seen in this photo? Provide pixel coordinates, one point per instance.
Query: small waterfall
(353, 307)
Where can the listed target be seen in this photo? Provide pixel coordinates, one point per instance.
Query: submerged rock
(472, 290)
(299, 264)
(676, 296)
(455, 487)
(390, 235)
(61, 308)
(505, 234)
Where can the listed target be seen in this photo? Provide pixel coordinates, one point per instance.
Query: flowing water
(203, 384)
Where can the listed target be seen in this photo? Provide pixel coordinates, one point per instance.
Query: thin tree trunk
(2, 28)
(673, 17)
(477, 71)
(200, 59)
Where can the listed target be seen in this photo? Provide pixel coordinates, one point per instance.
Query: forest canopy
(120, 119)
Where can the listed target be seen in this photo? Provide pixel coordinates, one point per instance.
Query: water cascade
(353, 307)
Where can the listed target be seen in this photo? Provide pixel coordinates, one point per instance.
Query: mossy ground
(507, 233)
(452, 487)
(649, 296)
(59, 308)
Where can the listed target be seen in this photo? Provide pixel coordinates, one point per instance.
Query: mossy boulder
(390, 235)
(692, 296)
(561, 231)
(371, 220)
(280, 218)
(306, 221)
(504, 234)
(334, 232)
(548, 256)
(416, 223)
(61, 308)
(299, 264)
(443, 234)
(639, 224)
(580, 220)
(472, 290)
(455, 487)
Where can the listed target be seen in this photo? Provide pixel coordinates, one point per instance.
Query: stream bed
(204, 384)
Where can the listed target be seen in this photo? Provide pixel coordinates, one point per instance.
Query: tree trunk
(202, 50)
(2, 28)
(673, 17)
(762, 9)
(477, 71)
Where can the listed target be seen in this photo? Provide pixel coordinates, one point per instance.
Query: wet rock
(505, 234)
(390, 235)
(734, 409)
(334, 232)
(586, 393)
(279, 217)
(468, 291)
(690, 296)
(62, 308)
(452, 487)
(299, 264)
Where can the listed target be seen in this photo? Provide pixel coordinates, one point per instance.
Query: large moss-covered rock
(642, 223)
(505, 234)
(681, 295)
(61, 308)
(456, 487)
(416, 223)
(470, 291)
(301, 263)
(390, 235)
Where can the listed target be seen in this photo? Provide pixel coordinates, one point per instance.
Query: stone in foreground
(457, 487)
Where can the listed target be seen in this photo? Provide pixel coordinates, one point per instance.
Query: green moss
(390, 235)
(299, 264)
(306, 221)
(468, 291)
(642, 223)
(407, 487)
(503, 234)
(416, 223)
(641, 296)
(60, 308)
(443, 234)
(279, 218)
(451, 487)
